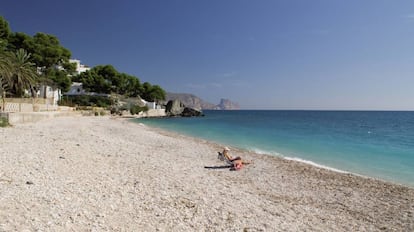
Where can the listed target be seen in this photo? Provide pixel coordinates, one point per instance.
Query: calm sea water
(378, 144)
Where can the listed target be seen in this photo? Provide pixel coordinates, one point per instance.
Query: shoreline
(278, 155)
(102, 173)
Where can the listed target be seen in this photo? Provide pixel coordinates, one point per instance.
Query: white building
(151, 105)
(80, 68)
(51, 95)
(76, 89)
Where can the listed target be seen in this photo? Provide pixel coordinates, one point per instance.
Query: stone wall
(17, 118)
(153, 113)
(28, 105)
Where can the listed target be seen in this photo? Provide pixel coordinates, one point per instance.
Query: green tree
(4, 28)
(135, 87)
(146, 89)
(152, 93)
(4, 33)
(47, 54)
(69, 68)
(52, 60)
(20, 40)
(57, 79)
(110, 77)
(157, 93)
(128, 85)
(106, 79)
(93, 82)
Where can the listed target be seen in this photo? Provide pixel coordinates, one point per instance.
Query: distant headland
(190, 100)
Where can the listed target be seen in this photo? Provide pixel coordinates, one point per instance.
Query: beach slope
(105, 174)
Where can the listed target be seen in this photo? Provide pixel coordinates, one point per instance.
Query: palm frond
(24, 73)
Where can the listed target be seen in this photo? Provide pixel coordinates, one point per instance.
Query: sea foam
(314, 164)
(274, 153)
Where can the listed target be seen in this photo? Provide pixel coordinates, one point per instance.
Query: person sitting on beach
(237, 162)
(228, 156)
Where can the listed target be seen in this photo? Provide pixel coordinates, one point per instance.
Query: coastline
(278, 156)
(111, 174)
(246, 151)
(340, 141)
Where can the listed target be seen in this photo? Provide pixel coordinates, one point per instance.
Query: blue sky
(263, 54)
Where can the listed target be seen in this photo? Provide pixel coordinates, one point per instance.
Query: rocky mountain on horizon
(190, 100)
(226, 104)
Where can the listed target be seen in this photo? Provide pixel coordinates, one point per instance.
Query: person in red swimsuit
(236, 161)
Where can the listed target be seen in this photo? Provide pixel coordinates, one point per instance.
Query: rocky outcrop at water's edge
(176, 108)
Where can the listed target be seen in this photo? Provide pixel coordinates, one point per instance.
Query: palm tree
(24, 74)
(5, 75)
(17, 73)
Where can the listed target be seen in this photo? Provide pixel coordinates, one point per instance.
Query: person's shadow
(218, 167)
(222, 158)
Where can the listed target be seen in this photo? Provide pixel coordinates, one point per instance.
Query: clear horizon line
(304, 109)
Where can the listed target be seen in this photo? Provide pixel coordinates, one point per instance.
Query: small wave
(263, 152)
(314, 164)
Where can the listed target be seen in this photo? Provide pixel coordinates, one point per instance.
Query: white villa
(51, 95)
(151, 105)
(80, 68)
(46, 100)
(76, 89)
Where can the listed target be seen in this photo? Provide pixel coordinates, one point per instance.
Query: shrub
(86, 100)
(135, 109)
(4, 122)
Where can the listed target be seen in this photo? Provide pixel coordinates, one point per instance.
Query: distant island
(195, 102)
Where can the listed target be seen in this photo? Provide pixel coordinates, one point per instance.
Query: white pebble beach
(109, 174)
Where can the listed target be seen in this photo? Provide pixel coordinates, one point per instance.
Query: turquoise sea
(378, 144)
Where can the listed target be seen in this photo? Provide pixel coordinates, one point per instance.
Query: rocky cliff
(228, 105)
(195, 102)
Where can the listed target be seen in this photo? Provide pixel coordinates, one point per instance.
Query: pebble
(156, 181)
